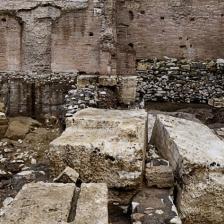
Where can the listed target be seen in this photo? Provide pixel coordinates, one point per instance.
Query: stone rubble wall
(173, 80)
(35, 94)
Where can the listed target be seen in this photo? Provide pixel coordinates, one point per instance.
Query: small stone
(160, 176)
(159, 212)
(7, 201)
(33, 161)
(138, 217)
(69, 175)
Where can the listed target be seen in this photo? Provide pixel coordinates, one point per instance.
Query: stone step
(196, 155)
(92, 204)
(104, 146)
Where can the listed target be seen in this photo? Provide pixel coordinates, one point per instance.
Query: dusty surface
(92, 204)
(104, 146)
(40, 203)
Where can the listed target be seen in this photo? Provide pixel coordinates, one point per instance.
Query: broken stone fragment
(7, 201)
(216, 102)
(127, 89)
(68, 175)
(160, 176)
(108, 80)
(92, 204)
(86, 80)
(153, 206)
(196, 155)
(104, 146)
(20, 126)
(40, 203)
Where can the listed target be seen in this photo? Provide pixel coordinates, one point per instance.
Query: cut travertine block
(197, 156)
(103, 146)
(92, 204)
(40, 203)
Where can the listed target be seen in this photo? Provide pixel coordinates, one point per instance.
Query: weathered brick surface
(9, 43)
(103, 37)
(175, 28)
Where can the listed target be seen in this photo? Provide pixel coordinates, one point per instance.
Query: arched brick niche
(192, 29)
(75, 43)
(10, 44)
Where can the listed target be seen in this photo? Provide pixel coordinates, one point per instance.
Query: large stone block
(197, 156)
(127, 89)
(103, 146)
(92, 204)
(40, 203)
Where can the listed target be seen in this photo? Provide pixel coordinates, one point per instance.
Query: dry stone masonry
(183, 81)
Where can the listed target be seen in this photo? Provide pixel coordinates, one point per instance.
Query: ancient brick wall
(76, 42)
(105, 37)
(10, 43)
(190, 29)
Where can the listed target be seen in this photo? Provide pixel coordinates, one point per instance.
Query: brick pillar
(36, 37)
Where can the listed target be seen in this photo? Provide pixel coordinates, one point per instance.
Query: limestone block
(86, 80)
(143, 66)
(159, 176)
(216, 102)
(103, 146)
(197, 156)
(127, 89)
(108, 80)
(92, 204)
(153, 206)
(68, 175)
(20, 126)
(40, 203)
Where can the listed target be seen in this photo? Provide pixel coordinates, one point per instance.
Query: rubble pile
(114, 167)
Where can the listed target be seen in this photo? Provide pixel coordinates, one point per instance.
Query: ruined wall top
(14, 5)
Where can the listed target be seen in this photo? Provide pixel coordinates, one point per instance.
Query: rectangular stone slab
(92, 204)
(197, 156)
(104, 146)
(42, 203)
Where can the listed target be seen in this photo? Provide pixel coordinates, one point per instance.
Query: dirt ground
(24, 159)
